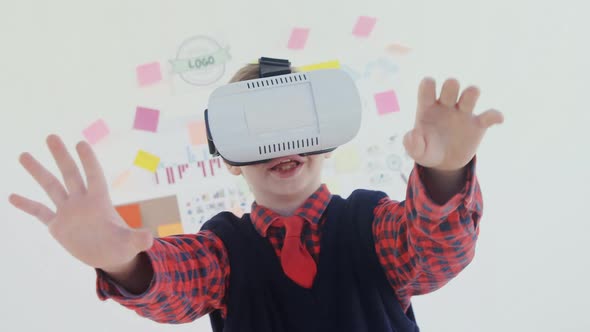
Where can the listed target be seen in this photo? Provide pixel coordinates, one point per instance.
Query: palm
(447, 133)
(79, 226)
(85, 222)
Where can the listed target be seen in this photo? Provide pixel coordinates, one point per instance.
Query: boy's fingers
(66, 164)
(425, 149)
(46, 180)
(468, 99)
(94, 174)
(490, 118)
(414, 144)
(449, 92)
(426, 93)
(36, 209)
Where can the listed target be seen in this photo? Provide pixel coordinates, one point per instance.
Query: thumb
(414, 144)
(490, 118)
(142, 239)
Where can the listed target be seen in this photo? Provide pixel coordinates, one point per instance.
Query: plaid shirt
(421, 246)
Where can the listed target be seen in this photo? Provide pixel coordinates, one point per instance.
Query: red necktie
(296, 261)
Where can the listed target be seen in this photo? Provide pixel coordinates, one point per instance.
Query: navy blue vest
(350, 291)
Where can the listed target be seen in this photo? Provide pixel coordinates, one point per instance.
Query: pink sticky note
(146, 119)
(298, 38)
(364, 26)
(197, 132)
(386, 102)
(148, 73)
(96, 131)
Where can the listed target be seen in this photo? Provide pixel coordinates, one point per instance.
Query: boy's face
(286, 178)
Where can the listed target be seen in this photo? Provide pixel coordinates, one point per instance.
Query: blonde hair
(249, 72)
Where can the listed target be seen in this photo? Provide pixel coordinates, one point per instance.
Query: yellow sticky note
(334, 64)
(347, 159)
(147, 161)
(170, 229)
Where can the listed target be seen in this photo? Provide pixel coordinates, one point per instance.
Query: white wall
(65, 63)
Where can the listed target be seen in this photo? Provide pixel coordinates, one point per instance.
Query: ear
(235, 170)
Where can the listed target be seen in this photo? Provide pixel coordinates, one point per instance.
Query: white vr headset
(282, 113)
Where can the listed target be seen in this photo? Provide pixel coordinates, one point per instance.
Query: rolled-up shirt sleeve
(423, 245)
(189, 281)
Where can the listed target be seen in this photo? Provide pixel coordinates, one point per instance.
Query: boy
(265, 271)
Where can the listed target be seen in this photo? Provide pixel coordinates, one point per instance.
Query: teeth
(286, 167)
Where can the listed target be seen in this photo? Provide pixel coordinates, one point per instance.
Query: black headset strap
(273, 67)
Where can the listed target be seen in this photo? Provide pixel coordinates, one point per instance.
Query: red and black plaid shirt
(421, 246)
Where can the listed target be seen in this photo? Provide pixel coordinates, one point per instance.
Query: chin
(294, 187)
(290, 187)
(287, 186)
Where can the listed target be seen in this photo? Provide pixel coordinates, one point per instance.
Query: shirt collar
(311, 210)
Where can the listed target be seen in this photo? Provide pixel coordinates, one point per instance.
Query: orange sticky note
(170, 229)
(197, 132)
(397, 48)
(131, 214)
(121, 178)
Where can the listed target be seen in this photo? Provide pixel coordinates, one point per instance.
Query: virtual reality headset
(282, 113)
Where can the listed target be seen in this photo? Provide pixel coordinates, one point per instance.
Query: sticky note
(131, 214)
(324, 65)
(397, 48)
(159, 211)
(197, 132)
(170, 229)
(386, 102)
(146, 161)
(347, 159)
(148, 73)
(121, 179)
(298, 38)
(96, 131)
(146, 119)
(364, 25)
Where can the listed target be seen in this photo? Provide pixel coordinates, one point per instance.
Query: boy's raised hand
(85, 222)
(447, 133)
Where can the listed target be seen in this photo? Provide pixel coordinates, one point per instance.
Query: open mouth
(286, 166)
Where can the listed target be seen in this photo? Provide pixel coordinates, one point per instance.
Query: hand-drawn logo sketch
(394, 162)
(381, 70)
(200, 60)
